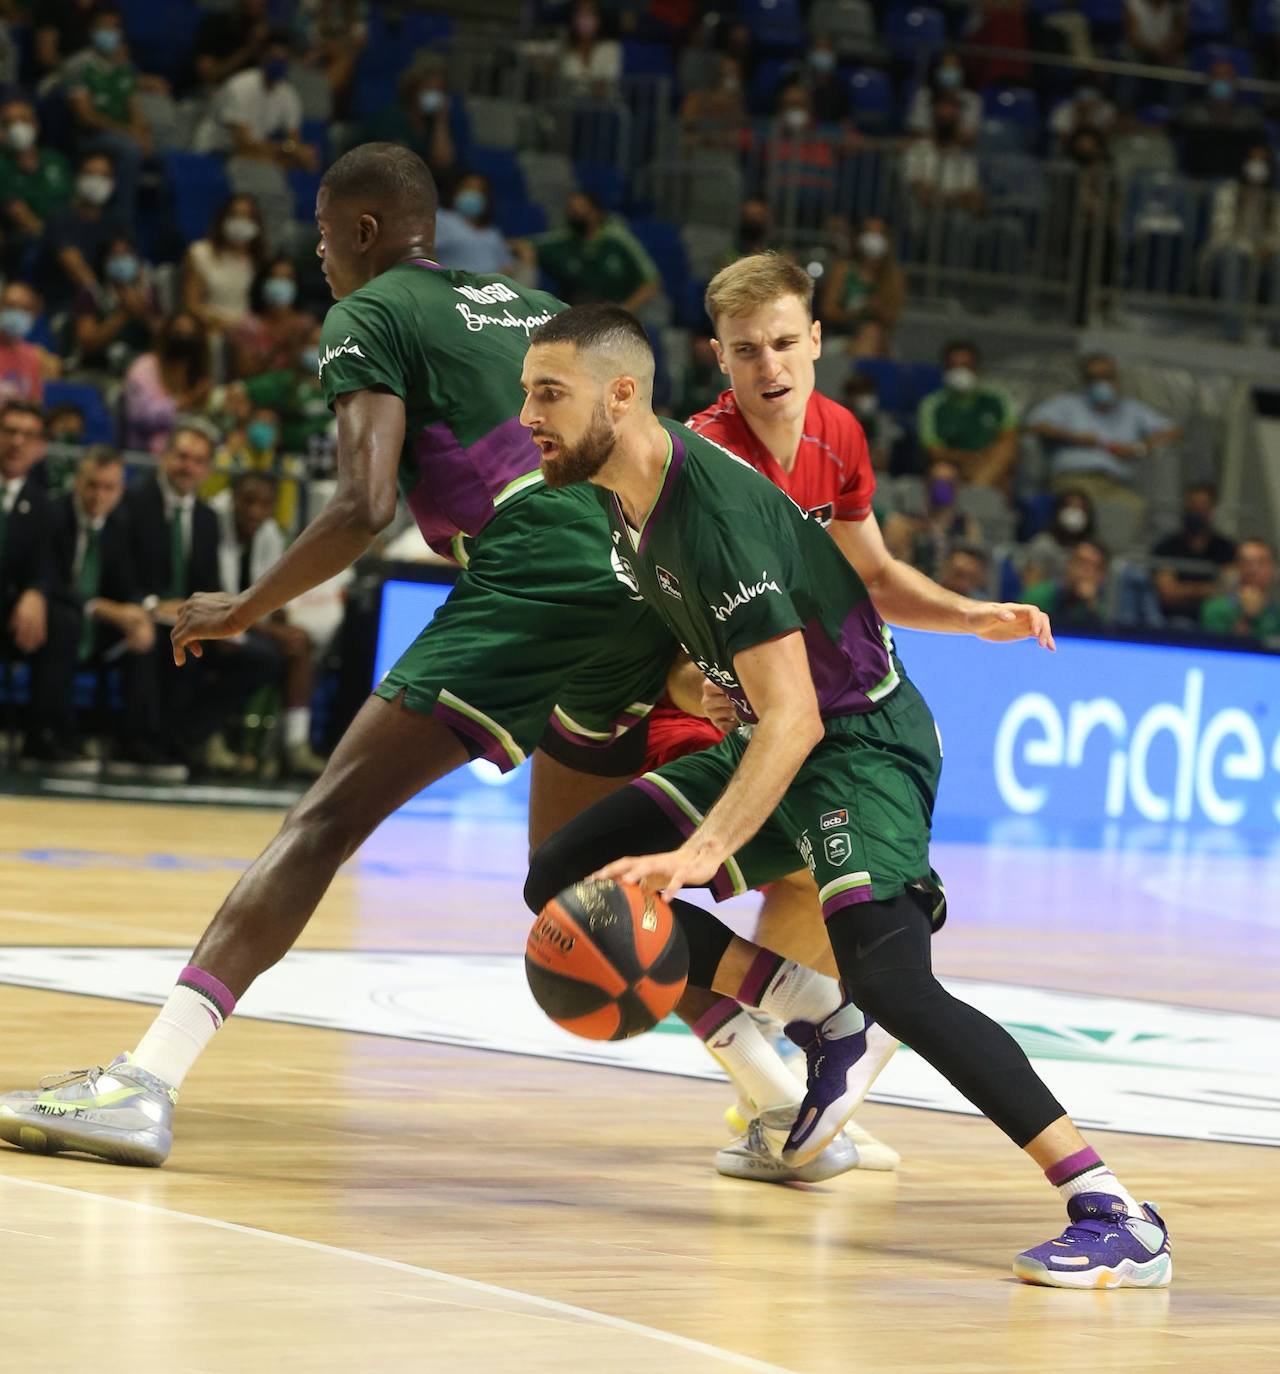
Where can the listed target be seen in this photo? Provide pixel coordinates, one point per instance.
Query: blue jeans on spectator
(125, 152)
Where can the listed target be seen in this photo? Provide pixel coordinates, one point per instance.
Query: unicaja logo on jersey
(744, 594)
(329, 354)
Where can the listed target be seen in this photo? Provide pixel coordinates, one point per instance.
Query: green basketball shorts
(859, 813)
(538, 632)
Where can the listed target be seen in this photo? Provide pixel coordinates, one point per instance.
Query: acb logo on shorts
(833, 819)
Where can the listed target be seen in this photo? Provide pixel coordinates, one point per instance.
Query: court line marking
(552, 1305)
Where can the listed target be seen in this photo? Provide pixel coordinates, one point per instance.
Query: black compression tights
(882, 950)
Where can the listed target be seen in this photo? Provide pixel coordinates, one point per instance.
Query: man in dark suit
(174, 542)
(93, 552)
(37, 621)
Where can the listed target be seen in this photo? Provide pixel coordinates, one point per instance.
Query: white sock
(756, 1069)
(1086, 1173)
(194, 1013)
(297, 726)
(788, 991)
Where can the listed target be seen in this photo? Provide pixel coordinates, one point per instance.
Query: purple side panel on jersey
(456, 483)
(844, 672)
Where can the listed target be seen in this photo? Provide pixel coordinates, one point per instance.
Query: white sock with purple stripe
(756, 1069)
(788, 991)
(194, 1013)
(1084, 1172)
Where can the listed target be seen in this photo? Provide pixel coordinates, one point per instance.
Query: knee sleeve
(883, 953)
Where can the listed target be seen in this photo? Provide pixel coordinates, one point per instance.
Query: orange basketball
(605, 961)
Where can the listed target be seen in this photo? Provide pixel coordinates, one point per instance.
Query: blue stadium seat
(912, 30)
(640, 58)
(775, 23)
(892, 383)
(99, 426)
(502, 167)
(199, 184)
(521, 220)
(1204, 56)
(316, 132)
(1016, 106)
(1105, 16)
(1264, 18)
(763, 90)
(664, 245)
(920, 380)
(1208, 18)
(162, 37)
(305, 187)
(604, 180)
(871, 95)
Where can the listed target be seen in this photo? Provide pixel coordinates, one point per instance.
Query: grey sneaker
(751, 1158)
(121, 1113)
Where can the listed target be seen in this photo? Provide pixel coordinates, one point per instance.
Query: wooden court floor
(351, 1202)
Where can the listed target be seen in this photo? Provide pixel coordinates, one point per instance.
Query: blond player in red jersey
(767, 341)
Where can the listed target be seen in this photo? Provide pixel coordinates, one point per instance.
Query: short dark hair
(593, 327)
(1209, 488)
(386, 174)
(23, 408)
(975, 551)
(100, 456)
(957, 344)
(242, 479)
(1088, 360)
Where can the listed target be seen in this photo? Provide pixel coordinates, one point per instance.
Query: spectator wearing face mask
(926, 540)
(715, 116)
(163, 384)
(947, 78)
(969, 422)
(802, 159)
(589, 63)
(35, 181)
(269, 337)
(420, 117)
(102, 92)
(218, 272)
(79, 232)
(1077, 599)
(941, 174)
(1252, 607)
(255, 446)
(1088, 108)
(1095, 436)
(231, 40)
(466, 237)
(24, 366)
(864, 292)
(259, 113)
(1218, 130)
(1199, 552)
(1071, 520)
(828, 89)
(292, 392)
(594, 258)
(883, 432)
(116, 324)
(1244, 238)
(753, 234)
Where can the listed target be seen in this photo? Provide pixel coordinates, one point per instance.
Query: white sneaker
(751, 1158)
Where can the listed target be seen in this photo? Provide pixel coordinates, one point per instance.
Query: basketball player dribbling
(838, 761)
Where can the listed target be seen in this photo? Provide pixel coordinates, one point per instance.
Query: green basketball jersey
(730, 561)
(451, 346)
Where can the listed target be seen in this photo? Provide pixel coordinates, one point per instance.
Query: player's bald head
(388, 181)
(608, 342)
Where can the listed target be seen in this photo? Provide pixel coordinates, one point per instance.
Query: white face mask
(796, 118)
(1073, 519)
(1257, 170)
(866, 406)
(95, 188)
(873, 244)
(960, 378)
(21, 136)
(240, 229)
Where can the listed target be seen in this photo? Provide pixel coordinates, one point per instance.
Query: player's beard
(584, 459)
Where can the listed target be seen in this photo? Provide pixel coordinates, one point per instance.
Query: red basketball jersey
(832, 477)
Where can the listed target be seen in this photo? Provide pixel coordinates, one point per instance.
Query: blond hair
(752, 282)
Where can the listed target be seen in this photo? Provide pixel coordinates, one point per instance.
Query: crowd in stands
(162, 430)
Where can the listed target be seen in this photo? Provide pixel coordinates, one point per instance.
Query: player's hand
(1005, 621)
(206, 615)
(666, 873)
(717, 707)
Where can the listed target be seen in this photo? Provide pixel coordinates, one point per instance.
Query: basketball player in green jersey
(539, 640)
(837, 761)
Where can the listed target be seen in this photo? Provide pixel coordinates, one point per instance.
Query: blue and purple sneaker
(1102, 1247)
(845, 1054)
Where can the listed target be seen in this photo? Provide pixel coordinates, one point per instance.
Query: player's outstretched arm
(370, 437)
(775, 677)
(904, 596)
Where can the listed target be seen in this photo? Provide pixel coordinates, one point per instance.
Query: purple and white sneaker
(845, 1056)
(1102, 1247)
